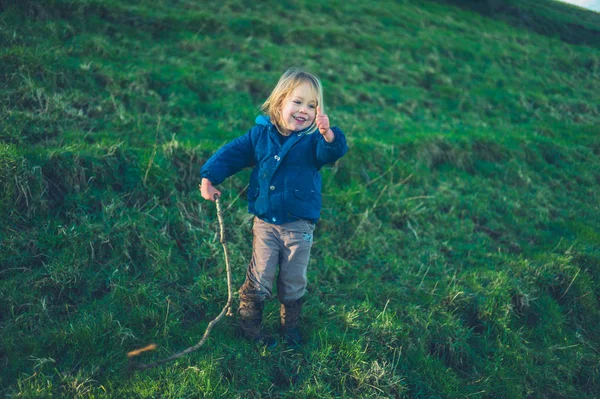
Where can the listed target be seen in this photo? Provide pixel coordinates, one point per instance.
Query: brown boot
(290, 320)
(250, 319)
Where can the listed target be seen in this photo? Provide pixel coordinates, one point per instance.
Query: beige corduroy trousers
(286, 247)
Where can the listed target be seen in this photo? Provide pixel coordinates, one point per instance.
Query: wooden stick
(226, 309)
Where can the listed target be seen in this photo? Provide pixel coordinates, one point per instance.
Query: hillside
(458, 254)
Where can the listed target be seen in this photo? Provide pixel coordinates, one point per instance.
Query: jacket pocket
(252, 193)
(303, 195)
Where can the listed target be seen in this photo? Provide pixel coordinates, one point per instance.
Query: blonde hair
(291, 79)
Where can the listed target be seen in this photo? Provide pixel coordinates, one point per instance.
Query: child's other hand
(207, 190)
(322, 122)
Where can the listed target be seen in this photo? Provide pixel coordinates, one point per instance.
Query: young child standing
(284, 194)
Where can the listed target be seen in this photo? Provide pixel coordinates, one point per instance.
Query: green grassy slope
(459, 250)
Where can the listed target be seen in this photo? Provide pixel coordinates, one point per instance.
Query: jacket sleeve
(230, 159)
(330, 152)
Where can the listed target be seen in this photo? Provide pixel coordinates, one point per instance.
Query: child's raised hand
(207, 190)
(322, 122)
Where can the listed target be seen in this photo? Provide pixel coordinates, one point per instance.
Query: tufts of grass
(457, 254)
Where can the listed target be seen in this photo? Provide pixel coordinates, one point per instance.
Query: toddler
(284, 194)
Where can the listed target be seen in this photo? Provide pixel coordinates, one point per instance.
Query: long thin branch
(226, 309)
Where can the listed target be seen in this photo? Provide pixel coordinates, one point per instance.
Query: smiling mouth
(300, 119)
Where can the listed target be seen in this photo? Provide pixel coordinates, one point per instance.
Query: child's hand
(322, 122)
(207, 190)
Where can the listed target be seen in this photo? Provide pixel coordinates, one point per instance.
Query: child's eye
(296, 102)
(311, 106)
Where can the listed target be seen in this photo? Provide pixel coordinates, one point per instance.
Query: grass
(458, 253)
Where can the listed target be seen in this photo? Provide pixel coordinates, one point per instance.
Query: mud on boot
(250, 320)
(290, 321)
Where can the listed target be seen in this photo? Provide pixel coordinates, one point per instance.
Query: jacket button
(277, 158)
(272, 188)
(274, 219)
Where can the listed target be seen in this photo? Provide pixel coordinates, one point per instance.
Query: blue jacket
(285, 184)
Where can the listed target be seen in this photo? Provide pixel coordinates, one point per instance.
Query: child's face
(299, 108)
